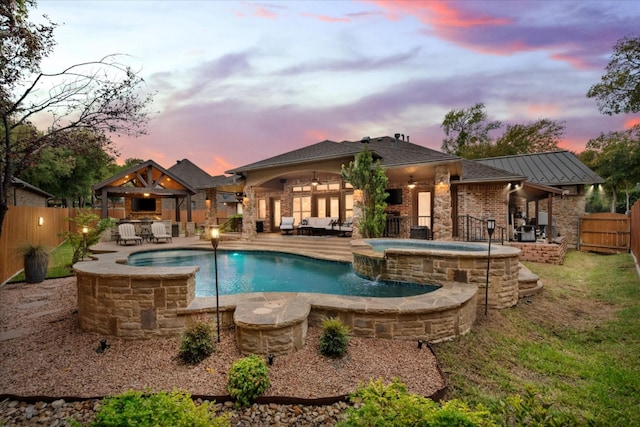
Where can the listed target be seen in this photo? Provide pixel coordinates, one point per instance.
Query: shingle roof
(473, 171)
(192, 174)
(392, 152)
(551, 168)
(17, 182)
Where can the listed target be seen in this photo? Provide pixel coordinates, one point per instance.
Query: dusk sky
(242, 81)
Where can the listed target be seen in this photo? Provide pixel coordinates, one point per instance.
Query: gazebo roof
(148, 178)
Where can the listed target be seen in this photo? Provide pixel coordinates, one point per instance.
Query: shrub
(197, 341)
(334, 339)
(175, 409)
(392, 406)
(530, 410)
(247, 379)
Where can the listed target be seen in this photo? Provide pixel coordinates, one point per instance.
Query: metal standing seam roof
(551, 168)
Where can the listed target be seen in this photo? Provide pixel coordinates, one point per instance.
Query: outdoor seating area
(316, 226)
(287, 224)
(140, 232)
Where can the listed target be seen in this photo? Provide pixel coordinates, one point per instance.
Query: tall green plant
(368, 176)
(77, 239)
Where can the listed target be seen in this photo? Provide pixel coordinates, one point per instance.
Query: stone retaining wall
(548, 253)
(135, 305)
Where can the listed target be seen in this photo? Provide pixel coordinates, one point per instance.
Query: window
(262, 208)
(301, 208)
(348, 205)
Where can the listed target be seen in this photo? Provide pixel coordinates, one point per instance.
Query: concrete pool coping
(143, 302)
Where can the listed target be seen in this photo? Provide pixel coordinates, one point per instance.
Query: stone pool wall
(433, 266)
(138, 302)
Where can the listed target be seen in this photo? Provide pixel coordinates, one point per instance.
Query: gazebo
(143, 186)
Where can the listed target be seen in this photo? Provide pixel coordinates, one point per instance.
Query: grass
(59, 264)
(576, 344)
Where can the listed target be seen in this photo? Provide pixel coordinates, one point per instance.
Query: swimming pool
(262, 271)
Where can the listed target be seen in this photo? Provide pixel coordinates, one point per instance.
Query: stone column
(248, 214)
(442, 221)
(358, 196)
(210, 212)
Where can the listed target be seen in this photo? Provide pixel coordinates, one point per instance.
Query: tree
(619, 89)
(616, 158)
(101, 96)
(466, 129)
(536, 137)
(70, 173)
(369, 176)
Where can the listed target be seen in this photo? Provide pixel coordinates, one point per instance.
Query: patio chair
(127, 234)
(286, 224)
(159, 232)
(345, 228)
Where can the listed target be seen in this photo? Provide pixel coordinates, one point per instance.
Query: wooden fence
(635, 230)
(21, 226)
(605, 233)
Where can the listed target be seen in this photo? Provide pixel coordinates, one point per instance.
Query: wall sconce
(240, 196)
(146, 194)
(411, 184)
(40, 221)
(441, 181)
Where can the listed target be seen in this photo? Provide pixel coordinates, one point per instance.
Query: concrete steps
(324, 247)
(528, 283)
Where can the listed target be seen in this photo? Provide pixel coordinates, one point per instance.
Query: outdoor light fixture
(315, 181)
(412, 183)
(40, 221)
(270, 358)
(85, 231)
(215, 239)
(419, 344)
(146, 194)
(491, 226)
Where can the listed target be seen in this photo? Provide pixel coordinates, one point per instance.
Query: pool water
(380, 245)
(257, 271)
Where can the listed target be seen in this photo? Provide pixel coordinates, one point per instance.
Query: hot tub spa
(420, 261)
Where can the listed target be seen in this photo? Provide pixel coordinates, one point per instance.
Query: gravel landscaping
(45, 353)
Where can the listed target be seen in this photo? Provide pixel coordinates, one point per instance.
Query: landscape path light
(491, 226)
(215, 240)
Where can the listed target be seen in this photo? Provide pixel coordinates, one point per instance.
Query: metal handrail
(471, 229)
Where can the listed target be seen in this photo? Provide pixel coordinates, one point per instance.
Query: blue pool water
(249, 271)
(379, 245)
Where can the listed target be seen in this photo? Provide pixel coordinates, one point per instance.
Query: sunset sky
(241, 81)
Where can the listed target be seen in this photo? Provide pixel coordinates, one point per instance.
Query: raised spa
(424, 261)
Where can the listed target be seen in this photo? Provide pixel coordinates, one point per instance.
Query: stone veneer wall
(548, 253)
(133, 306)
(429, 325)
(432, 268)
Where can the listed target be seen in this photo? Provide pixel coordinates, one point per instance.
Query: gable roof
(192, 174)
(145, 177)
(552, 168)
(18, 183)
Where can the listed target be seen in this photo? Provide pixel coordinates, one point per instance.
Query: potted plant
(36, 261)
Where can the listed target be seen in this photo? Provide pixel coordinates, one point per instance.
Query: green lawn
(59, 262)
(577, 344)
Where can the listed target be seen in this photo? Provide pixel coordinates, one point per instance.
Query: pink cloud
(326, 18)
(543, 110)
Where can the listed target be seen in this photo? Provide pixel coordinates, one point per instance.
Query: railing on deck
(231, 225)
(470, 229)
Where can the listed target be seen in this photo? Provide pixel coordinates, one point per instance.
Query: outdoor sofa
(314, 225)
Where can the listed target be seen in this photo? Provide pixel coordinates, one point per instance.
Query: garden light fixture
(215, 239)
(491, 226)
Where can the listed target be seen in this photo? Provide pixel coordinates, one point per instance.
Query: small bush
(531, 410)
(175, 409)
(392, 406)
(334, 339)
(197, 341)
(247, 379)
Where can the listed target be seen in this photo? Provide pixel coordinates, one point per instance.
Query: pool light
(215, 239)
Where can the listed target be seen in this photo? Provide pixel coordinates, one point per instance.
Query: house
(448, 196)
(21, 193)
(558, 169)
